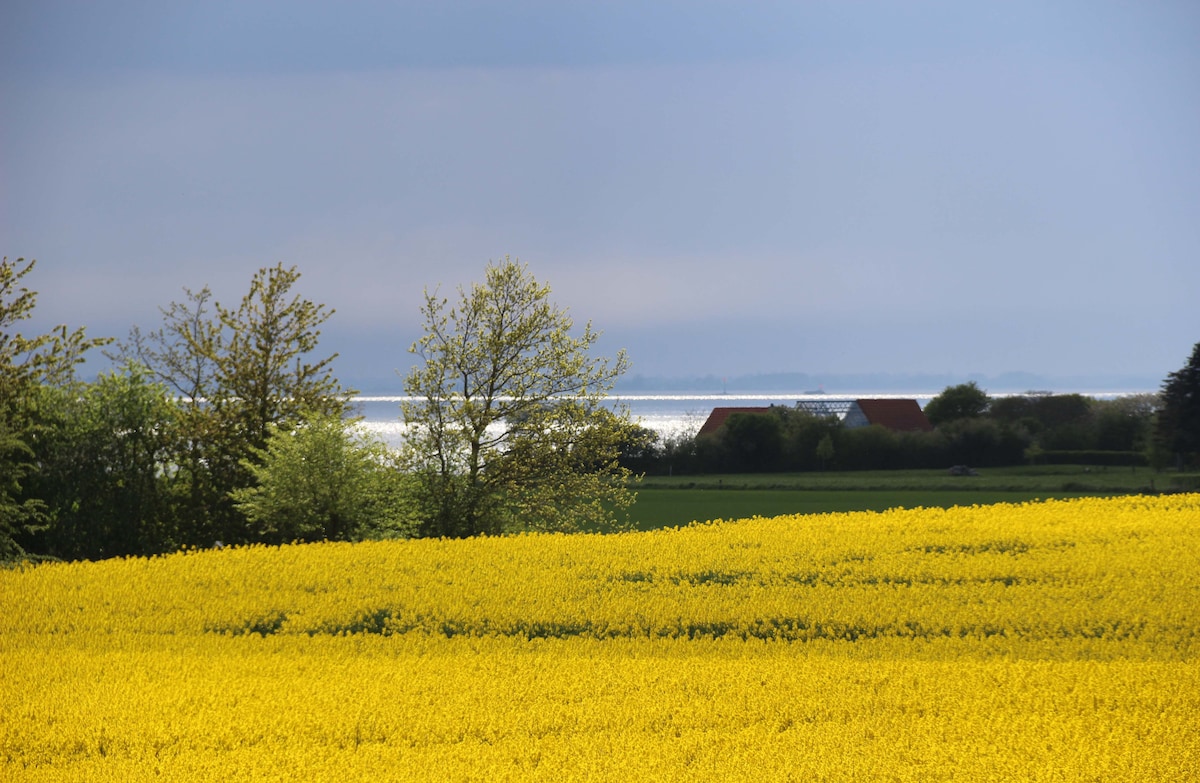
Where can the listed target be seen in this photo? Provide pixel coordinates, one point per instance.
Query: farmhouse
(719, 416)
(898, 415)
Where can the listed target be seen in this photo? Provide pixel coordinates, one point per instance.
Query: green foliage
(1073, 422)
(964, 401)
(640, 448)
(324, 479)
(1177, 431)
(1058, 421)
(982, 442)
(1124, 423)
(752, 441)
(1012, 431)
(674, 452)
(825, 450)
(1056, 411)
(26, 364)
(101, 460)
(783, 438)
(507, 430)
(811, 442)
(18, 516)
(869, 448)
(181, 353)
(263, 374)
(239, 372)
(42, 359)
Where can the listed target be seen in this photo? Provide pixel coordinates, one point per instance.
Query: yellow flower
(1044, 640)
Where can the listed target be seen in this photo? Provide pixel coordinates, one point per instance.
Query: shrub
(321, 480)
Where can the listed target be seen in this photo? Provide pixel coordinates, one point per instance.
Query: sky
(722, 188)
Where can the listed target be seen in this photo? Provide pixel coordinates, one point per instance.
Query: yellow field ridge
(1054, 640)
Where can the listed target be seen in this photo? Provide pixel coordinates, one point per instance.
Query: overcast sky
(721, 187)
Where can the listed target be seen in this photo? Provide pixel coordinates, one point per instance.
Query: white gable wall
(855, 417)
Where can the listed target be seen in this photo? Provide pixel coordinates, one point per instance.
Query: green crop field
(665, 501)
(657, 508)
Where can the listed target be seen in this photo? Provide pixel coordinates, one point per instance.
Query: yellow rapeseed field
(1051, 641)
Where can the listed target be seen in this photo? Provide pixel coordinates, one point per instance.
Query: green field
(665, 501)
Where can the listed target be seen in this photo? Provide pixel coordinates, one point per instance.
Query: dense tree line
(160, 451)
(971, 429)
(226, 425)
(28, 367)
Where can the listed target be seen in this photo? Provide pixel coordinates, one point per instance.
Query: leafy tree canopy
(1178, 430)
(964, 401)
(240, 372)
(324, 479)
(26, 364)
(102, 467)
(507, 430)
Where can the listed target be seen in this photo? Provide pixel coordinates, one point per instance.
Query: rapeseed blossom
(1053, 640)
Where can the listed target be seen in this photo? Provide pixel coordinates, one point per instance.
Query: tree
(804, 434)
(964, 401)
(825, 450)
(752, 442)
(324, 480)
(26, 364)
(507, 430)
(102, 467)
(1125, 423)
(873, 447)
(263, 374)
(641, 450)
(1177, 431)
(239, 372)
(181, 354)
(18, 516)
(48, 358)
(980, 441)
(1058, 421)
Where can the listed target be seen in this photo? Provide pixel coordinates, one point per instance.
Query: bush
(100, 452)
(868, 448)
(325, 480)
(983, 442)
(965, 401)
(755, 441)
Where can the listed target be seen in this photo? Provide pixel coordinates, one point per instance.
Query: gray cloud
(942, 189)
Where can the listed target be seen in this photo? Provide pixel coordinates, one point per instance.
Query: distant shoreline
(863, 384)
(781, 397)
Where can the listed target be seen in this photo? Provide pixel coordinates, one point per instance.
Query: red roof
(717, 418)
(898, 415)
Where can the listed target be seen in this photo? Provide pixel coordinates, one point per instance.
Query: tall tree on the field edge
(239, 373)
(1178, 428)
(507, 426)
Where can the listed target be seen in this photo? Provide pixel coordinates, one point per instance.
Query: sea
(666, 413)
(669, 414)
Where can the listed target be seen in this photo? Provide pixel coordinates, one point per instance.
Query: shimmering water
(666, 414)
